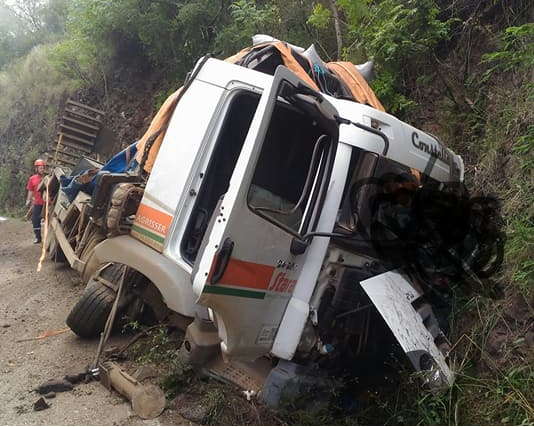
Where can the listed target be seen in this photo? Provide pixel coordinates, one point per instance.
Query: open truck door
(248, 264)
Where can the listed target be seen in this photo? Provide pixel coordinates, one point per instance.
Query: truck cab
(256, 223)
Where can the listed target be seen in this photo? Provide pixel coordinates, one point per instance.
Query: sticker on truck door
(250, 280)
(151, 226)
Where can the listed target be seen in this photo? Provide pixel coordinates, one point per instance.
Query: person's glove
(28, 202)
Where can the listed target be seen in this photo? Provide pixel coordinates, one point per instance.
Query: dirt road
(34, 302)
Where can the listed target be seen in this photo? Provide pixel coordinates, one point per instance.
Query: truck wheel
(88, 317)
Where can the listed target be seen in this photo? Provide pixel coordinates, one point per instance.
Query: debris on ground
(190, 407)
(55, 386)
(40, 405)
(148, 401)
(76, 378)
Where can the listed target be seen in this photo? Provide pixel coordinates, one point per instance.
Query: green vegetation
(91, 49)
(511, 65)
(489, 390)
(463, 73)
(158, 347)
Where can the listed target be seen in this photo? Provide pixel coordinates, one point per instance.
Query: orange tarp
(349, 74)
(291, 63)
(236, 57)
(160, 121)
(285, 52)
(345, 71)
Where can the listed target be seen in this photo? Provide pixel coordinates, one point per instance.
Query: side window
(290, 168)
(216, 178)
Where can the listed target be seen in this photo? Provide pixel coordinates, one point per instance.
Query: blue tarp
(120, 162)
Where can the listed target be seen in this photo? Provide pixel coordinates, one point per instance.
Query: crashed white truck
(257, 228)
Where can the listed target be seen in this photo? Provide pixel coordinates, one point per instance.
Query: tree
(247, 19)
(28, 12)
(337, 27)
(400, 37)
(339, 15)
(25, 24)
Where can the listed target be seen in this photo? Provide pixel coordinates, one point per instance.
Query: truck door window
(221, 166)
(290, 168)
(361, 168)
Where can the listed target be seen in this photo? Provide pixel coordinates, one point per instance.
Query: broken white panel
(393, 295)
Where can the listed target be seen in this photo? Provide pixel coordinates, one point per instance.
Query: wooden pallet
(77, 134)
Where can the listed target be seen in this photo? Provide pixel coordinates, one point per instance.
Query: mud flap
(393, 296)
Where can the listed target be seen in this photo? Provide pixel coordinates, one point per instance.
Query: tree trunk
(337, 26)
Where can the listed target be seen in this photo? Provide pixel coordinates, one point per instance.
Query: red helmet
(39, 162)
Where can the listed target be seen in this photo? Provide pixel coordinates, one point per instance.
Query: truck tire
(124, 202)
(88, 317)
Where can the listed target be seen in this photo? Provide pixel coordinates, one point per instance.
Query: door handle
(223, 258)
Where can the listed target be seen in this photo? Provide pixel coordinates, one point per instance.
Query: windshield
(377, 206)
